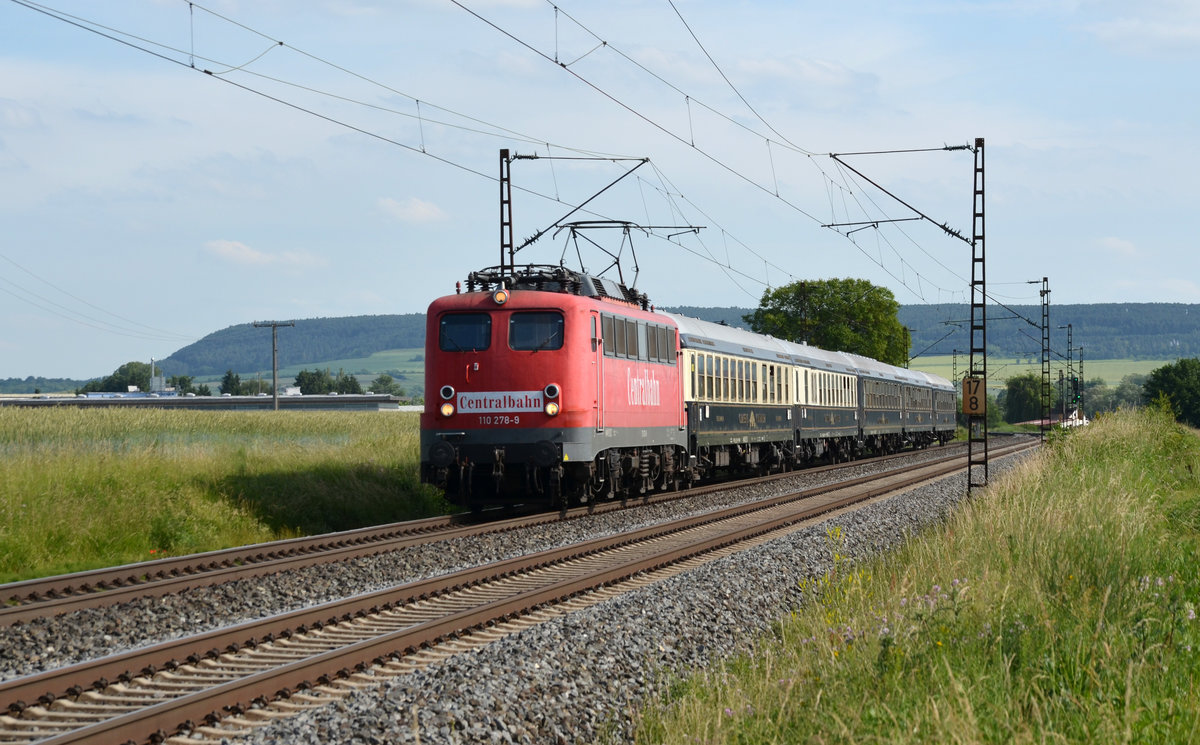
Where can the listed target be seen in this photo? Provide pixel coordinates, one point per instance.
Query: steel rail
(73, 680)
(49, 596)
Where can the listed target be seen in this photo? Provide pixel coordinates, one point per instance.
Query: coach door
(598, 364)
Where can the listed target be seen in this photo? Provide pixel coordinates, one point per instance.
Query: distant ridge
(1161, 331)
(311, 342)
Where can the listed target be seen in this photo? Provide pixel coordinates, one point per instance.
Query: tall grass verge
(82, 488)
(1059, 606)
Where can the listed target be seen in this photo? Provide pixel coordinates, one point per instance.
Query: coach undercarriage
(632, 472)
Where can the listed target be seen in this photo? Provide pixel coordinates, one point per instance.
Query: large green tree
(1179, 384)
(129, 374)
(1023, 398)
(387, 384)
(231, 383)
(317, 382)
(845, 315)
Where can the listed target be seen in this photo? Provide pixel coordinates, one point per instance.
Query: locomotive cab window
(465, 332)
(535, 330)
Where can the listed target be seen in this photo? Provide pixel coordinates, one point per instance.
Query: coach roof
(716, 337)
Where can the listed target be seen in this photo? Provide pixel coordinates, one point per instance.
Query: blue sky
(351, 170)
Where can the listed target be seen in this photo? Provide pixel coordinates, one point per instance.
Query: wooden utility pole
(274, 354)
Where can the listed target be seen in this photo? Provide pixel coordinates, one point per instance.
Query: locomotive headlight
(447, 392)
(552, 390)
(551, 408)
(447, 409)
(500, 296)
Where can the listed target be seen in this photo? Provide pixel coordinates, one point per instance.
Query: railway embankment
(1059, 606)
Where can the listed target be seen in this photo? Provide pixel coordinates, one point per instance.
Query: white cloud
(1152, 26)
(15, 115)
(412, 210)
(236, 252)
(1161, 289)
(1120, 247)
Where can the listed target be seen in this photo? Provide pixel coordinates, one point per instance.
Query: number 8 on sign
(974, 399)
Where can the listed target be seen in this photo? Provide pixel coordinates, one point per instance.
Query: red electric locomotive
(525, 401)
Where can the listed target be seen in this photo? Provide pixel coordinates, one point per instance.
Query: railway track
(50, 596)
(257, 671)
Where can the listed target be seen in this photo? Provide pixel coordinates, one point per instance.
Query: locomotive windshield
(535, 330)
(465, 332)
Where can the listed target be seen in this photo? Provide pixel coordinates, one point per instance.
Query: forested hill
(312, 341)
(1104, 330)
(1162, 331)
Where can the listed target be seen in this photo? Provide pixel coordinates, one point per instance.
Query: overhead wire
(113, 34)
(525, 138)
(486, 128)
(143, 331)
(685, 140)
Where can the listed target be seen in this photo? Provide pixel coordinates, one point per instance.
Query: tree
(344, 383)
(846, 315)
(1179, 384)
(255, 387)
(319, 382)
(1023, 398)
(1129, 391)
(1098, 397)
(314, 383)
(130, 374)
(387, 384)
(231, 383)
(182, 383)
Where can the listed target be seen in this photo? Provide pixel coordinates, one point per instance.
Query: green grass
(1059, 606)
(1001, 368)
(83, 488)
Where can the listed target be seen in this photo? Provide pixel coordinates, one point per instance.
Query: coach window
(642, 347)
(666, 350)
(652, 343)
(606, 330)
(535, 330)
(619, 337)
(465, 332)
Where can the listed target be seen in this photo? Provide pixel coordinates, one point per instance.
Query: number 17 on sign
(974, 400)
